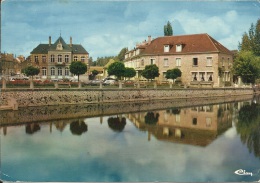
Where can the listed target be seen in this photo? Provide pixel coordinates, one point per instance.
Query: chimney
(49, 40)
(70, 41)
(149, 39)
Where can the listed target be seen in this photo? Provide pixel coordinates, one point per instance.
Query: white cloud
(105, 27)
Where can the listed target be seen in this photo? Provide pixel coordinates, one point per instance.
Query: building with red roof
(201, 59)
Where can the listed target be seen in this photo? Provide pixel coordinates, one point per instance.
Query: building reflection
(198, 125)
(32, 128)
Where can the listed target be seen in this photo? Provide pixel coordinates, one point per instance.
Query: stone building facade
(54, 60)
(200, 58)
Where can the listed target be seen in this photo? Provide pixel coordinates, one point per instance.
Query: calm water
(187, 144)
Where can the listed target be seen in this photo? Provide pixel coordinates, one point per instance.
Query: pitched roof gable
(74, 48)
(195, 43)
(78, 49)
(64, 45)
(41, 49)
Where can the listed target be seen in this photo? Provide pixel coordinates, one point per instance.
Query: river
(177, 141)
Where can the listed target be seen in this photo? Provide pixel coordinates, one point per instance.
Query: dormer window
(166, 48)
(59, 46)
(178, 48)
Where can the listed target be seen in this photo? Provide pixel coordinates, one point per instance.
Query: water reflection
(117, 124)
(248, 127)
(32, 128)
(113, 146)
(78, 127)
(198, 125)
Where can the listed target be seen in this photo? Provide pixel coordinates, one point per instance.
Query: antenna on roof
(60, 32)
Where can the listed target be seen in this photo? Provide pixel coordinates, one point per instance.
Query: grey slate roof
(44, 48)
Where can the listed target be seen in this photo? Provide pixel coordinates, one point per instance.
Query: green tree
(251, 40)
(168, 29)
(246, 43)
(121, 54)
(93, 74)
(102, 61)
(256, 48)
(150, 72)
(129, 72)
(78, 68)
(247, 65)
(31, 71)
(117, 69)
(173, 73)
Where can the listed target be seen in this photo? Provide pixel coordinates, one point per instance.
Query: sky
(104, 27)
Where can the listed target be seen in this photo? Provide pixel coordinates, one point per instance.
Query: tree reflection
(249, 127)
(117, 123)
(32, 128)
(174, 111)
(151, 118)
(78, 127)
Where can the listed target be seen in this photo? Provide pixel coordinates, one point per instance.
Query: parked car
(95, 82)
(110, 81)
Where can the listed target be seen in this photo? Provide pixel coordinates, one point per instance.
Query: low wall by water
(43, 97)
(61, 113)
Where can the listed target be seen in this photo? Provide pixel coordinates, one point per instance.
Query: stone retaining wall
(43, 97)
(62, 113)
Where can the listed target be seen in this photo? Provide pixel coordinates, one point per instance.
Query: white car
(110, 81)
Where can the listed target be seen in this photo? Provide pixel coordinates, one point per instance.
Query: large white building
(54, 60)
(201, 58)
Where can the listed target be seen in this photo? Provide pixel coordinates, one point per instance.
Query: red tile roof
(195, 43)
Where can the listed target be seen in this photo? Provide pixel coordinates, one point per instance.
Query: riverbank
(66, 113)
(46, 97)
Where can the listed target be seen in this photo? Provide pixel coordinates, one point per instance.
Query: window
(59, 71)
(52, 58)
(195, 62)
(44, 71)
(67, 71)
(222, 61)
(82, 59)
(44, 59)
(194, 76)
(75, 58)
(142, 62)
(36, 59)
(208, 122)
(53, 71)
(166, 48)
(59, 58)
(209, 61)
(165, 119)
(66, 58)
(166, 62)
(210, 76)
(177, 118)
(194, 121)
(152, 61)
(178, 48)
(201, 76)
(178, 62)
(229, 62)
